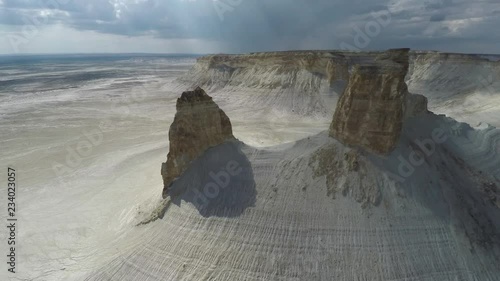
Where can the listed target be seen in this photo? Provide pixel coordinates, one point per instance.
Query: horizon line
(235, 53)
(98, 53)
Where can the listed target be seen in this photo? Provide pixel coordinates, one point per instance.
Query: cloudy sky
(235, 26)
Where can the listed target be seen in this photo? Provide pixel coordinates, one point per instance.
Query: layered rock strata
(198, 125)
(370, 112)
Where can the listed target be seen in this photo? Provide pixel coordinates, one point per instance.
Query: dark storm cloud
(438, 17)
(252, 25)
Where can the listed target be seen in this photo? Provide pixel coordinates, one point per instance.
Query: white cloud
(456, 26)
(61, 39)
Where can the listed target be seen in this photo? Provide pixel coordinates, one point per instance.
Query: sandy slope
(436, 224)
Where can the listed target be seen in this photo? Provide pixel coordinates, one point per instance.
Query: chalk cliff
(461, 86)
(370, 111)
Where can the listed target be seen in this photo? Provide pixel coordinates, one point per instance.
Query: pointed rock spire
(198, 125)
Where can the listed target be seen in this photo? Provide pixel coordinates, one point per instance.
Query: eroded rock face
(347, 172)
(198, 125)
(370, 112)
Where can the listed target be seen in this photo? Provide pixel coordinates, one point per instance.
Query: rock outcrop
(198, 125)
(370, 112)
(414, 104)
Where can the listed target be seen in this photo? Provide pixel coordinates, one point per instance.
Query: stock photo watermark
(363, 36)
(223, 6)
(219, 181)
(423, 148)
(11, 222)
(33, 23)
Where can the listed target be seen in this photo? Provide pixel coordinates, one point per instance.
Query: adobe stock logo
(77, 153)
(406, 168)
(219, 180)
(33, 23)
(224, 6)
(371, 29)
